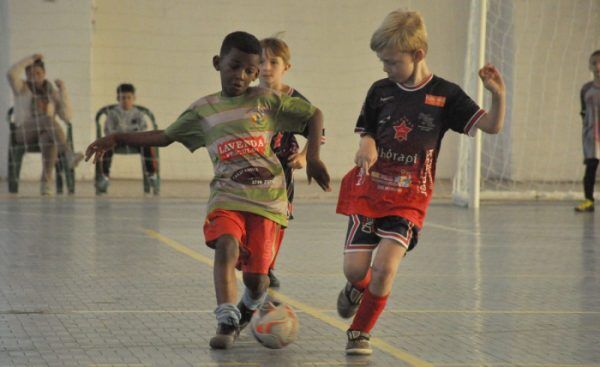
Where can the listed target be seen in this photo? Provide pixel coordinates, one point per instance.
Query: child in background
(590, 113)
(125, 117)
(274, 64)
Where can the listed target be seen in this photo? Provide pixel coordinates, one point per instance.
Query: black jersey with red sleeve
(284, 144)
(408, 124)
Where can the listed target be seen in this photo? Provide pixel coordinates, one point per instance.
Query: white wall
(165, 48)
(5, 98)
(61, 31)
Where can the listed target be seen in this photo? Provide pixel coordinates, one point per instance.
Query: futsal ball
(274, 325)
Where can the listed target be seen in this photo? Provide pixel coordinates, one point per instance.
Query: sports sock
(228, 313)
(251, 303)
(368, 312)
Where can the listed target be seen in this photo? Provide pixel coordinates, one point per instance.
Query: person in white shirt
(37, 104)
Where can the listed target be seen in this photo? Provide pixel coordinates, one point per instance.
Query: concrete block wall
(165, 48)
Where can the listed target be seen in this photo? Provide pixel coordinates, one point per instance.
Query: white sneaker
(102, 184)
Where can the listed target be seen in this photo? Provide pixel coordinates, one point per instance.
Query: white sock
(251, 303)
(228, 313)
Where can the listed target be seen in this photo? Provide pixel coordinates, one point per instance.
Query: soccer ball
(274, 325)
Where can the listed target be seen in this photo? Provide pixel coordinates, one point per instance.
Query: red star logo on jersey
(402, 131)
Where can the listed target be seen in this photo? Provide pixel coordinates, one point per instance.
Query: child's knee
(355, 274)
(382, 275)
(226, 249)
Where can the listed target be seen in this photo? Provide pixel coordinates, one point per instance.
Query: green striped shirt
(237, 133)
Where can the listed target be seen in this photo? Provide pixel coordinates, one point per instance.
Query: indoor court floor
(115, 281)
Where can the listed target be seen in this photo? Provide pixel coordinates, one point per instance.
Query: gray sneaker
(348, 301)
(102, 184)
(226, 336)
(359, 343)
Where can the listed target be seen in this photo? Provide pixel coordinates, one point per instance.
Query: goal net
(542, 49)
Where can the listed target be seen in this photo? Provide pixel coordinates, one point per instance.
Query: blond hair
(277, 48)
(402, 30)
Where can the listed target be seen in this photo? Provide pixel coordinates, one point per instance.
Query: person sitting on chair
(125, 117)
(37, 103)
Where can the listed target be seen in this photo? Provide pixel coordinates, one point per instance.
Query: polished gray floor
(128, 282)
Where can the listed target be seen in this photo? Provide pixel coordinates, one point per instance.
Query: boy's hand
(316, 169)
(297, 160)
(367, 154)
(37, 57)
(492, 79)
(100, 147)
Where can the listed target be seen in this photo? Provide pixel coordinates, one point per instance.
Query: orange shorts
(258, 237)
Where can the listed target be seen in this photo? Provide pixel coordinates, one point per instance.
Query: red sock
(368, 312)
(363, 284)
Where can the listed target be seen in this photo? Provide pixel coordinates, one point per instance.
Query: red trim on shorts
(355, 225)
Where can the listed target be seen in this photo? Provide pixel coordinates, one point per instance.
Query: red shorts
(258, 237)
(281, 234)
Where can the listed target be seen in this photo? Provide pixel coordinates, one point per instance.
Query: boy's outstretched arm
(155, 138)
(315, 168)
(493, 120)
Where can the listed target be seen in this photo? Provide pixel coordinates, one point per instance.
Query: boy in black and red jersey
(386, 195)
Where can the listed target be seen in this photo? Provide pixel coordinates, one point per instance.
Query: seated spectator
(37, 104)
(125, 117)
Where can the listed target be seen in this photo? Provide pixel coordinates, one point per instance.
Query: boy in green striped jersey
(248, 201)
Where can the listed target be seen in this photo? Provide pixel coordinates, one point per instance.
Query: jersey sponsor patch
(437, 101)
(253, 176)
(241, 147)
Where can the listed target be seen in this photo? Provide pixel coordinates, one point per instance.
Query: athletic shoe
(102, 184)
(273, 281)
(246, 315)
(359, 343)
(225, 337)
(348, 301)
(45, 189)
(585, 206)
(153, 181)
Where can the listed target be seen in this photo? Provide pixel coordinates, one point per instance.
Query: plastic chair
(128, 150)
(17, 151)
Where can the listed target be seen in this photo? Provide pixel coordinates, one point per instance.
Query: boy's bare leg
(357, 265)
(226, 255)
(253, 297)
(256, 284)
(385, 266)
(383, 271)
(357, 269)
(228, 315)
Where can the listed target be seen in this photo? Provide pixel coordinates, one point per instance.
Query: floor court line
(316, 313)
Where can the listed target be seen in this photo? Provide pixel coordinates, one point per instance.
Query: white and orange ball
(274, 326)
